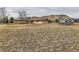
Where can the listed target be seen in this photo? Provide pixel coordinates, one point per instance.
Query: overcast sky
(41, 11)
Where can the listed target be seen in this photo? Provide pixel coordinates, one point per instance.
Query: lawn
(39, 38)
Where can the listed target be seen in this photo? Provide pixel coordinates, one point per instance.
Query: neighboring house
(32, 20)
(39, 20)
(66, 21)
(54, 18)
(46, 19)
(22, 21)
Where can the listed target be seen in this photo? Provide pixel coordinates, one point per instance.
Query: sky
(44, 11)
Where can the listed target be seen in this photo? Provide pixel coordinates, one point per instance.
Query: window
(66, 21)
(69, 21)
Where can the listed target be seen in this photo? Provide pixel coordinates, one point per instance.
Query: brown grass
(43, 37)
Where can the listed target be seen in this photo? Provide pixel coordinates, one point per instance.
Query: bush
(57, 20)
(11, 19)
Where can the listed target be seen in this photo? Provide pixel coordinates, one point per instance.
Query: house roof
(45, 18)
(32, 19)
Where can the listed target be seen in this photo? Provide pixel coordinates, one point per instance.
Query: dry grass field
(39, 38)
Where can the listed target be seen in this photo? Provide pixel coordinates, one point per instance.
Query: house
(39, 20)
(66, 21)
(54, 18)
(45, 19)
(23, 21)
(32, 20)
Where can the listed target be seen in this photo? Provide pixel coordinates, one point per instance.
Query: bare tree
(3, 12)
(22, 14)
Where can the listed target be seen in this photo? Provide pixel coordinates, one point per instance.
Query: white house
(66, 21)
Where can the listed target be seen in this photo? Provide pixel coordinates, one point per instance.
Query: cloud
(40, 11)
